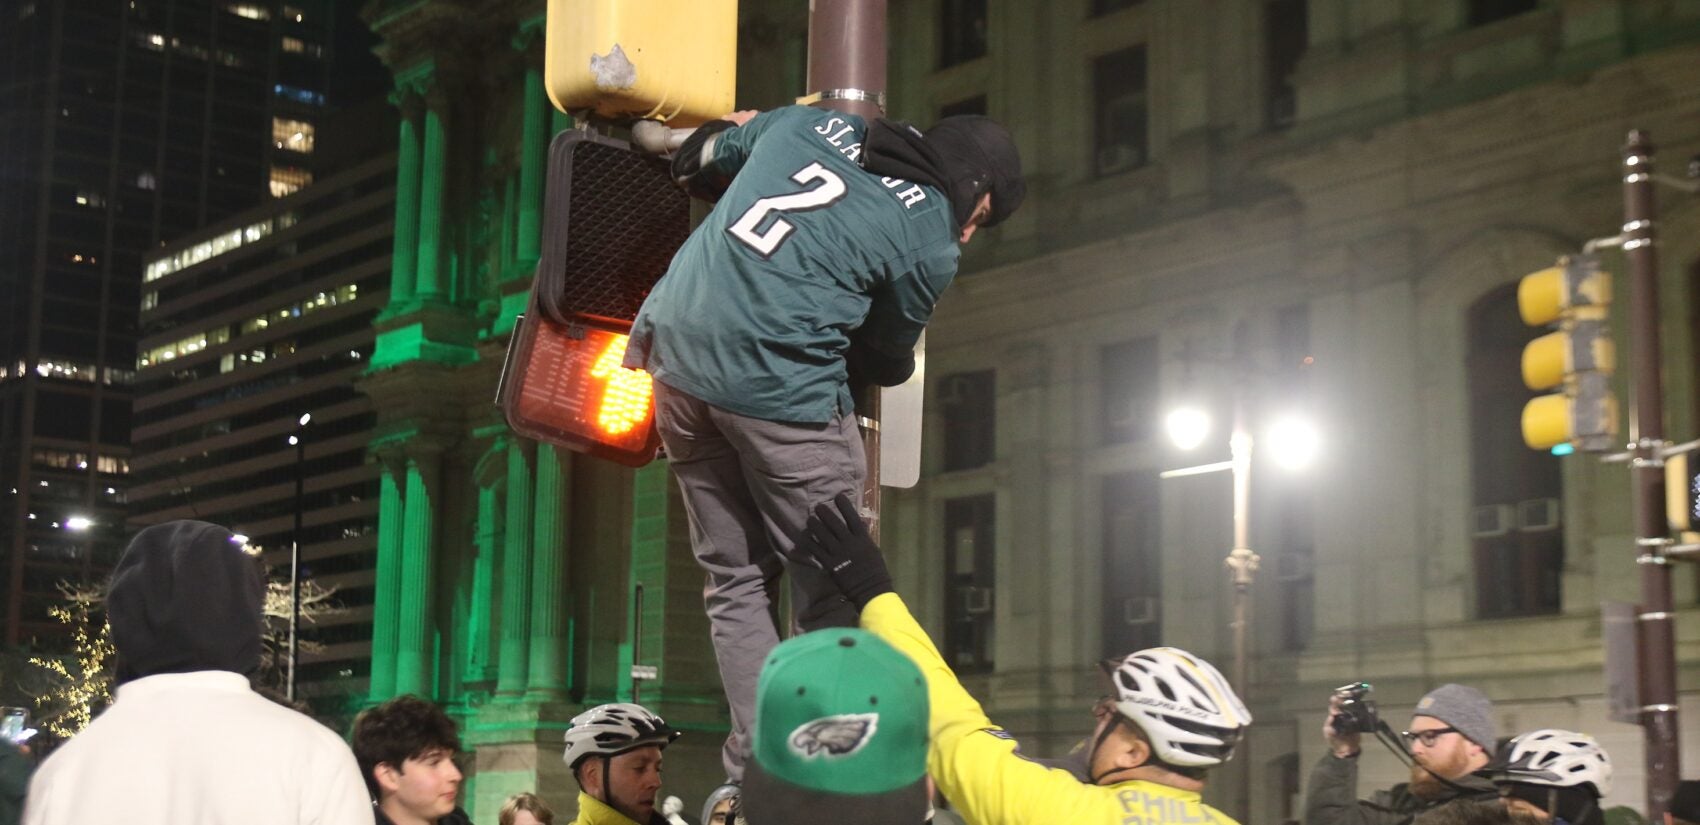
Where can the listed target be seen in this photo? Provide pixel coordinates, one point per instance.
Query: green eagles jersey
(755, 313)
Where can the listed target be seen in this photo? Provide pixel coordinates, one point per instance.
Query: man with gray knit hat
(1451, 737)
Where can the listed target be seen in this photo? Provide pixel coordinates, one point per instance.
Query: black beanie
(186, 596)
(965, 156)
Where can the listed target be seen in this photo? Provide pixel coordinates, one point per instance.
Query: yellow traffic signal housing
(1579, 358)
(670, 60)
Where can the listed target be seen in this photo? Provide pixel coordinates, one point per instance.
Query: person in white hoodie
(187, 741)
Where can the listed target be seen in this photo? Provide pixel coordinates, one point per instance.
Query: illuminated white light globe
(1187, 427)
(305, 417)
(1293, 442)
(78, 523)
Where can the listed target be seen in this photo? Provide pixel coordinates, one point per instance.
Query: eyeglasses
(1427, 737)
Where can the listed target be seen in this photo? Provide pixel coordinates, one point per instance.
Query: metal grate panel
(612, 220)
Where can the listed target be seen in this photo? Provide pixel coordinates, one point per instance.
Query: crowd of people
(831, 241)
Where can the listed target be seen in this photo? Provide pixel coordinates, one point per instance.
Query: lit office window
(287, 180)
(294, 135)
(207, 249)
(249, 10)
(293, 45)
(292, 13)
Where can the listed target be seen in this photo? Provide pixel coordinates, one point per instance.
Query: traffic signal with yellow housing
(1578, 358)
(669, 60)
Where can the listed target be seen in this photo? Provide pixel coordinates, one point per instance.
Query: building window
(970, 579)
(1483, 12)
(305, 97)
(251, 11)
(1514, 518)
(287, 180)
(1291, 508)
(1128, 381)
(1133, 563)
(969, 401)
(293, 13)
(962, 29)
(975, 105)
(1120, 108)
(1103, 7)
(1286, 36)
(294, 135)
(293, 45)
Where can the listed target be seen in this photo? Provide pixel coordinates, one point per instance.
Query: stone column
(534, 149)
(416, 637)
(512, 665)
(548, 678)
(428, 284)
(404, 260)
(387, 590)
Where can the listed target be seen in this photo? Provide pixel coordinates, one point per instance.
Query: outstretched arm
(712, 155)
(975, 763)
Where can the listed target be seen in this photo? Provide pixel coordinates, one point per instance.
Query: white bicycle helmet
(610, 730)
(1183, 705)
(1559, 759)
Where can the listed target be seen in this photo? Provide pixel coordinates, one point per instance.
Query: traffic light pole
(1647, 479)
(847, 74)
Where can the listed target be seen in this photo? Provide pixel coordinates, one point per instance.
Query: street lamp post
(1292, 443)
(299, 441)
(1241, 562)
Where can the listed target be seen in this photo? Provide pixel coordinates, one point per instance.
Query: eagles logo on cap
(841, 726)
(834, 736)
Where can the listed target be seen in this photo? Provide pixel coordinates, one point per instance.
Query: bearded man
(1451, 737)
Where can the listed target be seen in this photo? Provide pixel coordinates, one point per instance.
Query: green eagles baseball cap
(840, 734)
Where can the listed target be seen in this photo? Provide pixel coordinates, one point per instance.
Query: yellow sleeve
(973, 761)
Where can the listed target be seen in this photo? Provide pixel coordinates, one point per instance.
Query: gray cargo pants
(748, 485)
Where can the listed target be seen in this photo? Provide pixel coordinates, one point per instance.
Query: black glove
(687, 168)
(866, 365)
(838, 541)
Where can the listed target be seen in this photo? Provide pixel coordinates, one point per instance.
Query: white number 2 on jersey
(829, 190)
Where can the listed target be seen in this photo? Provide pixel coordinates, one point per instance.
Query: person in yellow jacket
(614, 752)
(1171, 717)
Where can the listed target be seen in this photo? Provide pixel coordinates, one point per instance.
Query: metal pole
(1647, 478)
(1242, 563)
(847, 68)
(295, 565)
(637, 642)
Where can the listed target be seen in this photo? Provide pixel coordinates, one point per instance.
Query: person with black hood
(187, 740)
(818, 268)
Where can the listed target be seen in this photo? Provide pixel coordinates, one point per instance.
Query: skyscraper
(122, 126)
(259, 319)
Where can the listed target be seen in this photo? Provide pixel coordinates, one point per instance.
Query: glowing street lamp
(1187, 427)
(1293, 442)
(78, 523)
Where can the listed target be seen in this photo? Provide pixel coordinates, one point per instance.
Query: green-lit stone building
(1357, 184)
